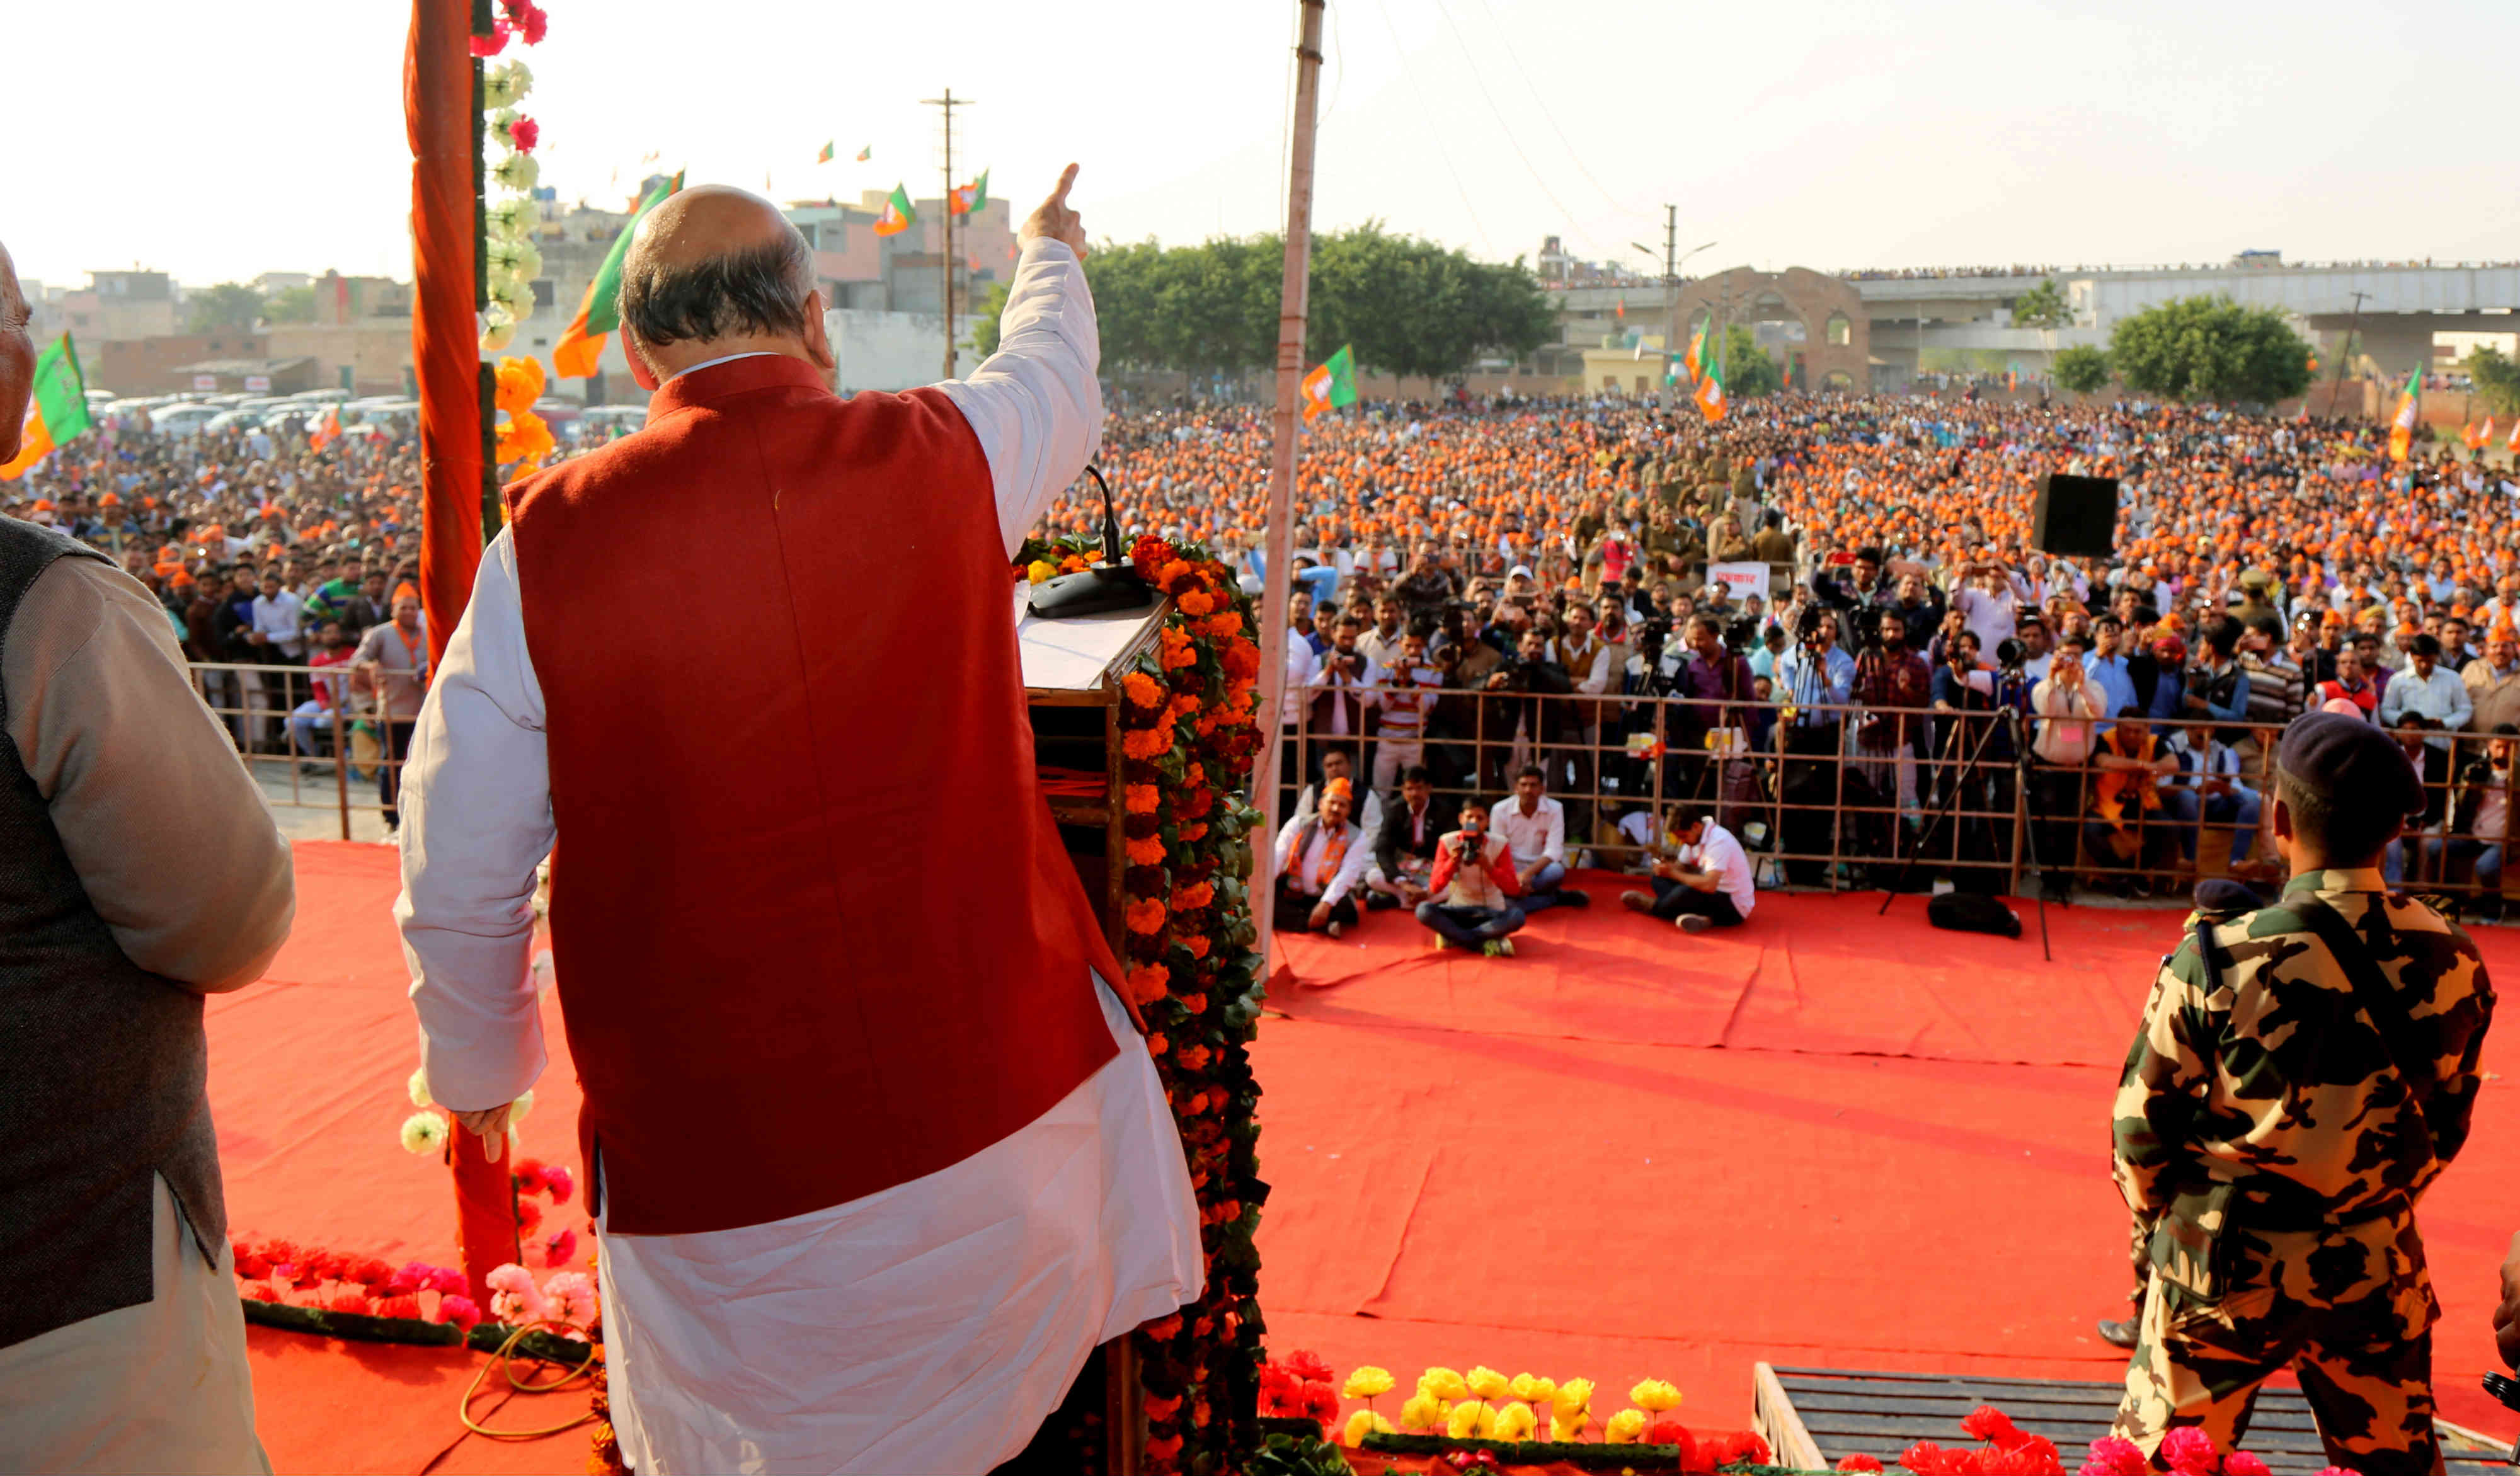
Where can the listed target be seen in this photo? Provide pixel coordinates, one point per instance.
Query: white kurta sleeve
(1351, 868)
(476, 821)
(1035, 404)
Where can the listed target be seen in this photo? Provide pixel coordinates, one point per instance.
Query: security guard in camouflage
(2303, 1073)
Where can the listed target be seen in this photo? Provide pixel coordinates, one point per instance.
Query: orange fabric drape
(445, 229)
(438, 113)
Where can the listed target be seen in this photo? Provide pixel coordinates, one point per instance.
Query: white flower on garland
(498, 328)
(512, 295)
(506, 85)
(522, 259)
(501, 123)
(423, 1133)
(515, 218)
(518, 172)
(523, 1104)
(419, 1088)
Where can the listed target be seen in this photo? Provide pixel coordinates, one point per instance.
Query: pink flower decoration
(397, 1307)
(525, 133)
(260, 1291)
(560, 1248)
(445, 1278)
(493, 43)
(2112, 1455)
(572, 1296)
(533, 24)
(2242, 1464)
(561, 1183)
(459, 1311)
(2190, 1452)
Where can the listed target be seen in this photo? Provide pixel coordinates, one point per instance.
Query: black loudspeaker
(1962, 912)
(2076, 515)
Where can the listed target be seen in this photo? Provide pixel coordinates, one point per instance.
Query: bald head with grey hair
(715, 271)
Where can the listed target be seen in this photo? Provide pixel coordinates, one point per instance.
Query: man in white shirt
(1336, 767)
(1990, 597)
(1301, 667)
(1320, 859)
(1534, 828)
(2067, 710)
(1343, 689)
(1706, 882)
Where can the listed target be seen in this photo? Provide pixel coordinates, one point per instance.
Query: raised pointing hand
(1053, 220)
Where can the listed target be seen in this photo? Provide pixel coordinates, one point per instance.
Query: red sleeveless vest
(812, 927)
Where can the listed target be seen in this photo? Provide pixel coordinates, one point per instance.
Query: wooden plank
(1773, 1416)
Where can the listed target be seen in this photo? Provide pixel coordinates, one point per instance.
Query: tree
(2211, 348)
(1748, 372)
(2045, 308)
(2082, 368)
(230, 304)
(295, 304)
(2497, 377)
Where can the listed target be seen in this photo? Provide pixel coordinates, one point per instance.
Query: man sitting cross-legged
(1404, 844)
(1320, 859)
(1705, 884)
(1473, 880)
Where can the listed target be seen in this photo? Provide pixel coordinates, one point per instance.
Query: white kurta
(927, 1327)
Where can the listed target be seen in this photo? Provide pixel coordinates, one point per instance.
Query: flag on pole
(1331, 385)
(56, 412)
(866, 154)
(2483, 437)
(599, 312)
(2513, 445)
(1695, 358)
(967, 199)
(1623, 307)
(328, 432)
(825, 156)
(2402, 430)
(897, 215)
(2473, 436)
(1710, 392)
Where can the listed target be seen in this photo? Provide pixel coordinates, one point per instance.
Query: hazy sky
(217, 142)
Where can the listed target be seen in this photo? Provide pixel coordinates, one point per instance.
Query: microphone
(1114, 584)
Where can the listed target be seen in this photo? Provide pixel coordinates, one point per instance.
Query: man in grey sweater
(140, 871)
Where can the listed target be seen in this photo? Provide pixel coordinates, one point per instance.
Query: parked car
(183, 418)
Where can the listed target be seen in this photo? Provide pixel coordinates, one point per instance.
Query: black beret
(2333, 755)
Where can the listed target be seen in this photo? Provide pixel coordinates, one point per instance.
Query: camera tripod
(1949, 810)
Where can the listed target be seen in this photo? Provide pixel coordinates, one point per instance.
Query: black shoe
(1380, 902)
(2119, 1333)
(1572, 897)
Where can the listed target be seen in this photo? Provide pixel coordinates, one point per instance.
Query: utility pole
(945, 225)
(2344, 352)
(1292, 310)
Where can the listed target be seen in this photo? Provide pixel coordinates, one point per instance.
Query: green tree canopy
(2043, 306)
(294, 304)
(2211, 348)
(2082, 368)
(2497, 377)
(230, 304)
(1748, 372)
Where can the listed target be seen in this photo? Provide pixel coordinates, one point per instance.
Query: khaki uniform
(2272, 1154)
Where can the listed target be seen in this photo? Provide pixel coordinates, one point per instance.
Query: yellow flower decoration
(1444, 1384)
(1565, 1430)
(1539, 1391)
(1626, 1428)
(1470, 1421)
(1574, 1398)
(1655, 1396)
(1487, 1383)
(1515, 1422)
(1365, 1422)
(1424, 1411)
(1368, 1382)
(1039, 570)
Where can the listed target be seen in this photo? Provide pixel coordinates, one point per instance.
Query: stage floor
(1821, 1138)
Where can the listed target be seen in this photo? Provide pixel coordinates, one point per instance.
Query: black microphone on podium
(1114, 584)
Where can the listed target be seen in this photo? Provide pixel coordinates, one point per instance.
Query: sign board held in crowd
(1742, 579)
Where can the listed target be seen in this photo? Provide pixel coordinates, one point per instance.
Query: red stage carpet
(1821, 1138)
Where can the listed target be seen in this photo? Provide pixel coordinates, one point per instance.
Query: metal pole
(1282, 456)
(2345, 351)
(945, 226)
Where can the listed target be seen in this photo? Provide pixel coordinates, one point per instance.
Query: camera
(2009, 653)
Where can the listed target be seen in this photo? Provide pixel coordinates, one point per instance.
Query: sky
(217, 143)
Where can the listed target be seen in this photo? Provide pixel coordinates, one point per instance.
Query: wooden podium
(1071, 676)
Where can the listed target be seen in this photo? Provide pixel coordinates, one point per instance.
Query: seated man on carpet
(1706, 882)
(1534, 828)
(1320, 859)
(1404, 844)
(1472, 883)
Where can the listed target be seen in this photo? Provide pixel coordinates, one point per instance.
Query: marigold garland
(1188, 736)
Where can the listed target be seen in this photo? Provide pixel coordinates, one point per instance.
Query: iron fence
(345, 754)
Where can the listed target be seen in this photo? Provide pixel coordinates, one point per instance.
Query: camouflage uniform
(2272, 1154)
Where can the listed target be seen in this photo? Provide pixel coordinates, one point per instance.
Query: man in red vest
(875, 1154)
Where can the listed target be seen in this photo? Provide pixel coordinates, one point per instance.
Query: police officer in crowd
(2303, 1073)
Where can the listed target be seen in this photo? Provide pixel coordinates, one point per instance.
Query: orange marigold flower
(1147, 982)
(1146, 917)
(1073, 564)
(1197, 895)
(1224, 625)
(1148, 852)
(1147, 742)
(1197, 943)
(1142, 799)
(1196, 604)
(1189, 833)
(1143, 690)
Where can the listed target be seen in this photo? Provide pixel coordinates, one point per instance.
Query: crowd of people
(1482, 587)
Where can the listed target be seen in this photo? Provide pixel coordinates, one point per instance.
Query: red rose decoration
(524, 133)
(493, 43)
(1859, 1463)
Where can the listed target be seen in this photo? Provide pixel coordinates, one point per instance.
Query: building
(164, 365)
(249, 376)
(360, 340)
(118, 306)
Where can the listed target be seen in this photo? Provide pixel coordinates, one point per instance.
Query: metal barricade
(341, 756)
(1845, 796)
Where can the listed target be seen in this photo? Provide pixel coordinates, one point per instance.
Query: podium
(1071, 675)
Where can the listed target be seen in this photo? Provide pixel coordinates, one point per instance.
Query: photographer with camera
(1472, 886)
(1518, 711)
(1813, 682)
(1889, 675)
(2068, 712)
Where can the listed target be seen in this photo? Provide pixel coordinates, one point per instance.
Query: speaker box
(2076, 515)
